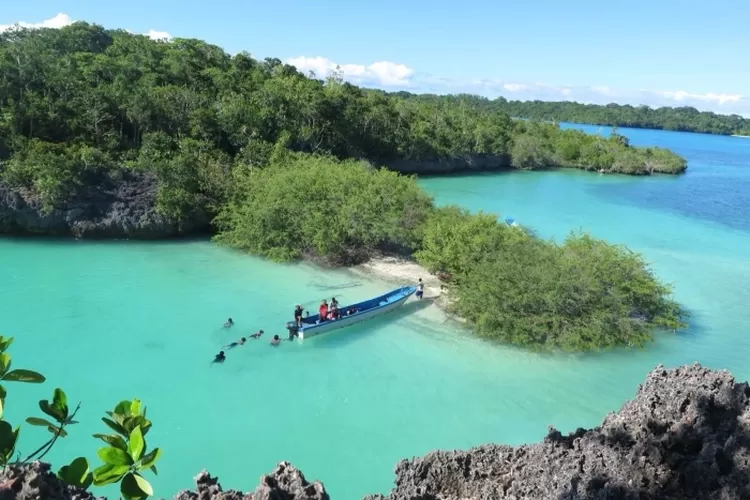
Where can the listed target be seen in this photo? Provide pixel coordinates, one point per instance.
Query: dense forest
(82, 102)
(684, 119)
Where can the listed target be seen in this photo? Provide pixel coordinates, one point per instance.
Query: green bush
(322, 208)
(516, 288)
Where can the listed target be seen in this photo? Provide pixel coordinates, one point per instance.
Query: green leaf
(58, 431)
(114, 456)
(135, 407)
(3, 392)
(75, 474)
(8, 438)
(5, 342)
(1, 408)
(60, 402)
(123, 408)
(40, 422)
(108, 474)
(143, 485)
(114, 441)
(153, 469)
(27, 376)
(115, 427)
(4, 363)
(135, 444)
(149, 459)
(135, 487)
(51, 411)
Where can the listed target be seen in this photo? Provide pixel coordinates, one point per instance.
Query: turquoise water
(109, 321)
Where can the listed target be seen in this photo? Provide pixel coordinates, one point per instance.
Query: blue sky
(656, 52)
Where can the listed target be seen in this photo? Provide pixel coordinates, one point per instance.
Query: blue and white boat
(364, 310)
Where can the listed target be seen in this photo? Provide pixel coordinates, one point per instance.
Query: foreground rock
(284, 483)
(36, 481)
(110, 207)
(684, 436)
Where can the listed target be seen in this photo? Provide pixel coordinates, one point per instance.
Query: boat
(368, 309)
(510, 221)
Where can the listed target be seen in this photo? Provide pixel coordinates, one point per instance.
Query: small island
(681, 119)
(108, 134)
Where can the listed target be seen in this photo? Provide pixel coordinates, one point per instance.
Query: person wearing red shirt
(323, 311)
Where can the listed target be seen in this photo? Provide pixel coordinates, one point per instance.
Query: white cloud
(61, 20)
(382, 73)
(58, 21)
(158, 35)
(394, 76)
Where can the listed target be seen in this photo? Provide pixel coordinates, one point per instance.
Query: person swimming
(229, 323)
(235, 344)
(219, 357)
(275, 341)
(257, 335)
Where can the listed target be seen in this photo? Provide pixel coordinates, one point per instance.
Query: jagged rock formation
(463, 164)
(35, 481)
(284, 483)
(685, 436)
(107, 207)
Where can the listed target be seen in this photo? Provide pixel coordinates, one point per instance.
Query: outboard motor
(293, 329)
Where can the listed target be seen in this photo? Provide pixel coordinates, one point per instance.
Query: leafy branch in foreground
(125, 458)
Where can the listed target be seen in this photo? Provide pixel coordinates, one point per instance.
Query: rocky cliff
(685, 435)
(121, 207)
(457, 165)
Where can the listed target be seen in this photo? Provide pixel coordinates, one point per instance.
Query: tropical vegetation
(82, 103)
(510, 285)
(683, 118)
(287, 165)
(125, 458)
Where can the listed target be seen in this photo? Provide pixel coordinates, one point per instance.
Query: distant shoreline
(739, 135)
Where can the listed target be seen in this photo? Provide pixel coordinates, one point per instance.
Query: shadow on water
(347, 335)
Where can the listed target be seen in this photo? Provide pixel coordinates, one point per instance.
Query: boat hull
(387, 303)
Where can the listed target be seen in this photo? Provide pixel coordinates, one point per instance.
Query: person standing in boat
(323, 311)
(420, 289)
(298, 315)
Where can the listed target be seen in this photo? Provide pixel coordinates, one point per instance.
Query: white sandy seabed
(403, 272)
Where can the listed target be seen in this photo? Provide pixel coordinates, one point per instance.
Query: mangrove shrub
(322, 208)
(514, 287)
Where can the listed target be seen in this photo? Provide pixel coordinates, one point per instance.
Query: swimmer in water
(275, 341)
(235, 344)
(229, 323)
(256, 335)
(219, 358)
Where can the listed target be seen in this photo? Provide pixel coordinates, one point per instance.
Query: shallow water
(109, 321)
